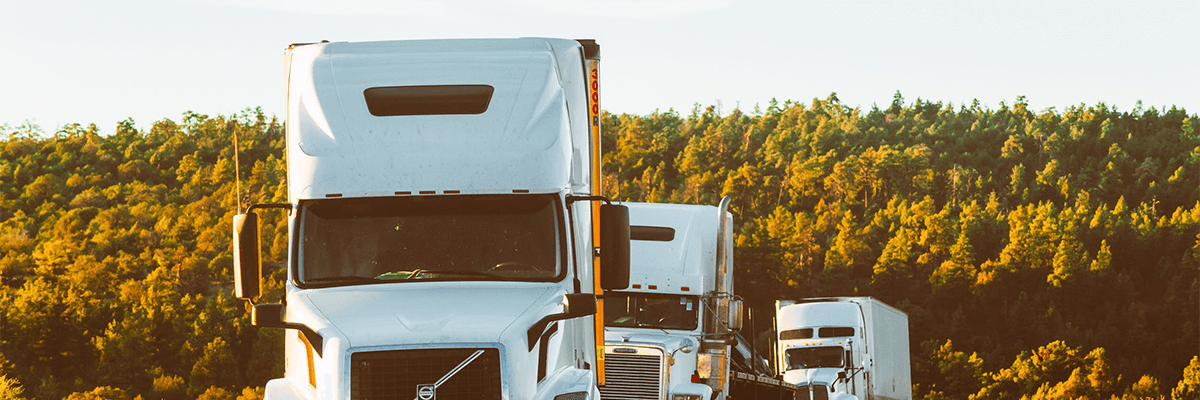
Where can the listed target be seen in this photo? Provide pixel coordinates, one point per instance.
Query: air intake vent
(398, 374)
(632, 376)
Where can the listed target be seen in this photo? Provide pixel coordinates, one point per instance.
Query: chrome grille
(633, 376)
(396, 374)
(818, 392)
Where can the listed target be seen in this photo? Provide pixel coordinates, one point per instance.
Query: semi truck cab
(445, 225)
(668, 335)
(818, 348)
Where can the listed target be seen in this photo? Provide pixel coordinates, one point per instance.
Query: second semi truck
(672, 335)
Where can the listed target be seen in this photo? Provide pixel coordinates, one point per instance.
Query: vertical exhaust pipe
(721, 228)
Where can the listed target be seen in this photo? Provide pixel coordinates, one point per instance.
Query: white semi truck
(844, 348)
(445, 225)
(669, 335)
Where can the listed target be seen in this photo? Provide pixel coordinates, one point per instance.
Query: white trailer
(444, 222)
(844, 347)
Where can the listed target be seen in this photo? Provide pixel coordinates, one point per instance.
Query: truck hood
(435, 312)
(668, 341)
(810, 376)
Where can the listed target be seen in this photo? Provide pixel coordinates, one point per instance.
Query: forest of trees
(1041, 255)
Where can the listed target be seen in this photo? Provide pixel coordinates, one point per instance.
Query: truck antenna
(237, 169)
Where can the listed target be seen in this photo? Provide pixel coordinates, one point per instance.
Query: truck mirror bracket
(270, 315)
(571, 198)
(578, 305)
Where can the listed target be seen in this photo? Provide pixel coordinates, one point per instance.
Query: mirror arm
(314, 338)
(271, 316)
(284, 206)
(573, 198)
(586, 305)
(536, 330)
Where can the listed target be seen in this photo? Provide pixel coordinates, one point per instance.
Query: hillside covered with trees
(1047, 255)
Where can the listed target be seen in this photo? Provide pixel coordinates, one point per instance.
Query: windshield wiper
(421, 274)
(341, 279)
(464, 274)
(402, 275)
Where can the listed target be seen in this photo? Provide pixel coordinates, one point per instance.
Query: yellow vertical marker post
(593, 71)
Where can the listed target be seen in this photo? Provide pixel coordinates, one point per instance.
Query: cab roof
(491, 116)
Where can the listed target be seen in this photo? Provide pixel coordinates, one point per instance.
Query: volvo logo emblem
(426, 392)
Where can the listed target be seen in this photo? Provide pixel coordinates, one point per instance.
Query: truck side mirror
(579, 304)
(614, 242)
(735, 315)
(247, 267)
(267, 315)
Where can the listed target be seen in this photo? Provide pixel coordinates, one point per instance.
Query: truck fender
(282, 389)
(693, 389)
(575, 382)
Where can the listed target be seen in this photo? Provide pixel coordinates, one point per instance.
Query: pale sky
(105, 61)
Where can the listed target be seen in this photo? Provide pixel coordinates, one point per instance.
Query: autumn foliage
(1051, 254)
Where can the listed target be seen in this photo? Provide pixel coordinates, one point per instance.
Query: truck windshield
(412, 238)
(815, 357)
(642, 310)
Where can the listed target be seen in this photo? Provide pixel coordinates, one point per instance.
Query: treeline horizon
(1047, 255)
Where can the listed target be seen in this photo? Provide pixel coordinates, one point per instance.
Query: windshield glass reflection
(642, 310)
(814, 357)
(397, 239)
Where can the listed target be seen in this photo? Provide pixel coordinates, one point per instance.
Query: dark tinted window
(645, 310)
(428, 100)
(837, 331)
(790, 334)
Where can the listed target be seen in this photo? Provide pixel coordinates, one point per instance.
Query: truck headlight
(686, 397)
(576, 396)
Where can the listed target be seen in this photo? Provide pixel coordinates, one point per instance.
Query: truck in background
(844, 348)
(445, 226)
(672, 334)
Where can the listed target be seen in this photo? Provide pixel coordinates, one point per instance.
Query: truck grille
(396, 374)
(632, 376)
(818, 392)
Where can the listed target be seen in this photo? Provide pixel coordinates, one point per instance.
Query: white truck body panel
(890, 374)
(688, 261)
(879, 365)
(440, 312)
